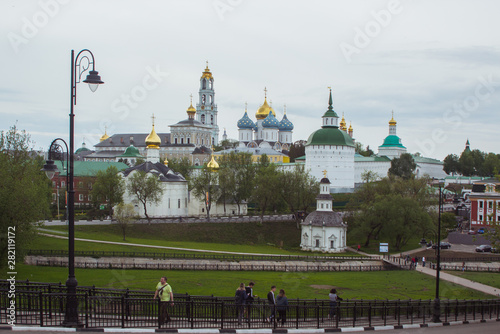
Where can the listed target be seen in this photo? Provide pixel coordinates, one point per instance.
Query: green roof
(373, 158)
(131, 152)
(426, 160)
(330, 136)
(392, 141)
(330, 112)
(89, 168)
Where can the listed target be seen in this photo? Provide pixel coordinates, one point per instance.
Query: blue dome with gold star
(285, 124)
(245, 122)
(270, 121)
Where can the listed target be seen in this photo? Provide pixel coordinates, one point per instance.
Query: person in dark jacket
(282, 306)
(333, 302)
(239, 298)
(272, 303)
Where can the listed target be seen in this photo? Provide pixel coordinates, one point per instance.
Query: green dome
(131, 151)
(392, 141)
(330, 136)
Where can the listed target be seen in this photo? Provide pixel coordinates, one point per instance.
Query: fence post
(192, 312)
(222, 315)
(86, 309)
(123, 310)
(40, 301)
(297, 316)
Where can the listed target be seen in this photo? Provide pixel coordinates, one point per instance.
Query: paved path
(461, 281)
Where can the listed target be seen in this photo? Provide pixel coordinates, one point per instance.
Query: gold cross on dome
(330, 87)
(324, 173)
(246, 104)
(153, 118)
(191, 96)
(265, 92)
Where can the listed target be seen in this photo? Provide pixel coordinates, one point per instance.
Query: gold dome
(350, 127)
(343, 124)
(392, 121)
(165, 162)
(212, 164)
(191, 109)
(152, 140)
(206, 74)
(104, 136)
(264, 110)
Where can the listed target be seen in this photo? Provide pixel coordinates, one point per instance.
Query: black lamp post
(437, 301)
(79, 65)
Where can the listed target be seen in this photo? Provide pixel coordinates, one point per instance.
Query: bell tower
(206, 109)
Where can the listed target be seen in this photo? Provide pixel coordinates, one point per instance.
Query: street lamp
(437, 301)
(50, 169)
(79, 65)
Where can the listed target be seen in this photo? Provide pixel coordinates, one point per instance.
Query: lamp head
(94, 80)
(50, 169)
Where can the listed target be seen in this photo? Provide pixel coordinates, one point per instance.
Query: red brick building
(485, 204)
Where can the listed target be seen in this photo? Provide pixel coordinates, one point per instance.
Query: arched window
(204, 84)
(212, 119)
(203, 119)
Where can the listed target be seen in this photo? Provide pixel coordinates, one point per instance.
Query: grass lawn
(263, 239)
(351, 285)
(491, 279)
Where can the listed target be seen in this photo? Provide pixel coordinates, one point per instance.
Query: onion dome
(350, 128)
(343, 124)
(82, 149)
(165, 162)
(392, 121)
(206, 74)
(131, 151)
(152, 140)
(245, 122)
(191, 111)
(285, 124)
(270, 122)
(212, 164)
(264, 110)
(104, 137)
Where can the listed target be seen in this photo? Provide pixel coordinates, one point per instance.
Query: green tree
(182, 166)
(382, 209)
(358, 148)
(265, 191)
(108, 188)
(124, 215)
(146, 188)
(24, 192)
(466, 163)
(236, 177)
(451, 164)
(298, 189)
(206, 188)
(297, 150)
(404, 166)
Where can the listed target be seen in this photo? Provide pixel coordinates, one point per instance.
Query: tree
(393, 209)
(466, 163)
(124, 215)
(109, 188)
(236, 177)
(182, 166)
(265, 191)
(297, 150)
(206, 188)
(358, 148)
(369, 176)
(24, 193)
(298, 189)
(451, 164)
(404, 166)
(146, 188)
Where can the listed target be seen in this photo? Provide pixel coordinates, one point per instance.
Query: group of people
(414, 261)
(244, 298)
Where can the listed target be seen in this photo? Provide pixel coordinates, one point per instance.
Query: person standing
(272, 303)
(423, 261)
(240, 297)
(164, 291)
(282, 306)
(250, 298)
(333, 302)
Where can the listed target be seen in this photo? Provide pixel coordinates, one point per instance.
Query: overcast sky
(435, 63)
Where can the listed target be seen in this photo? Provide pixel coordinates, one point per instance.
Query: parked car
(483, 248)
(443, 245)
(472, 232)
(481, 231)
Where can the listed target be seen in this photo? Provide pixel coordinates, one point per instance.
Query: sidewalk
(461, 281)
